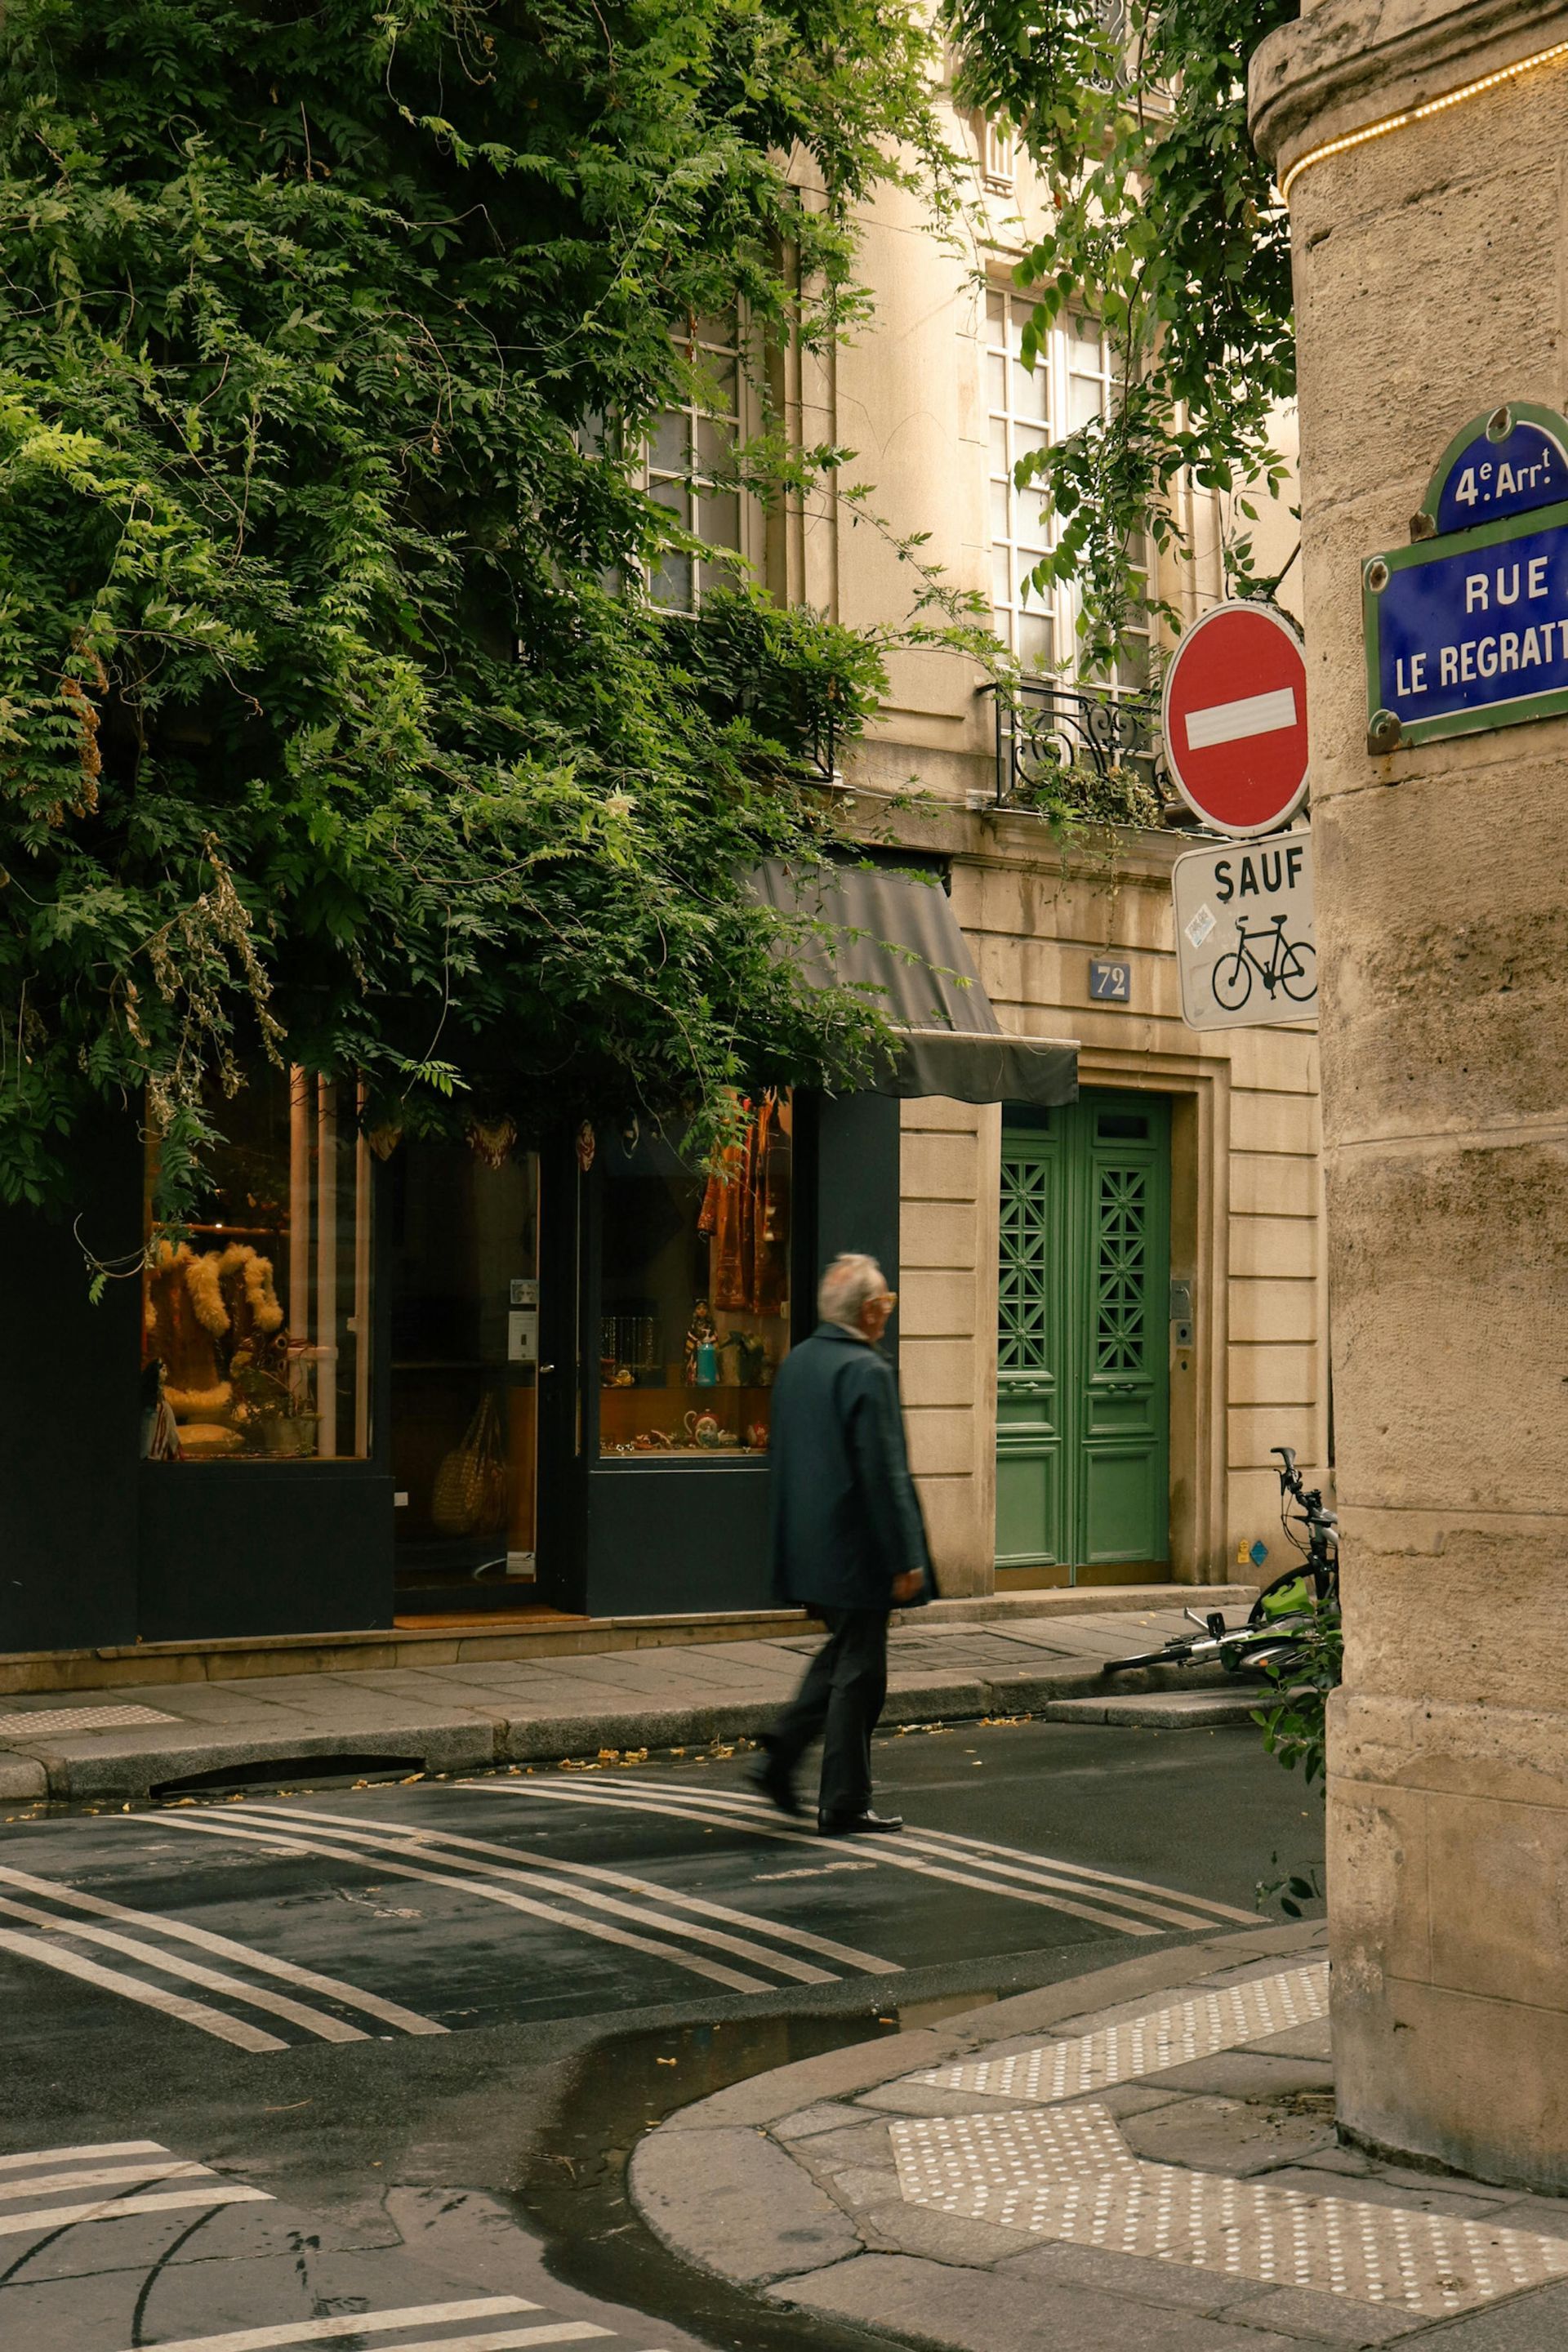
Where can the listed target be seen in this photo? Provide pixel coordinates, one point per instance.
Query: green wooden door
(1082, 1373)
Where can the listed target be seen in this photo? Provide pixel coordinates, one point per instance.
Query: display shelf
(660, 1414)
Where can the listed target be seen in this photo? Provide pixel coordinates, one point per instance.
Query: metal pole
(326, 1268)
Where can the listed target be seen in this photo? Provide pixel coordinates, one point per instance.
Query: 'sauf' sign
(1245, 943)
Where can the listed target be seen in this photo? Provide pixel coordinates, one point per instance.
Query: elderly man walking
(848, 1541)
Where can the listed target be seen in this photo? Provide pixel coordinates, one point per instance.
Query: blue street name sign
(1468, 627)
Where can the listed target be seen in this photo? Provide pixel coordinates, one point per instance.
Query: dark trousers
(843, 1694)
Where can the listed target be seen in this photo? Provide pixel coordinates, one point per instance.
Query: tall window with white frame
(1074, 379)
(691, 469)
(1020, 405)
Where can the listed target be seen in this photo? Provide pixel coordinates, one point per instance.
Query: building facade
(1108, 1317)
(385, 1383)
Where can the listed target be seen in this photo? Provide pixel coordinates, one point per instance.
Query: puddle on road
(573, 2193)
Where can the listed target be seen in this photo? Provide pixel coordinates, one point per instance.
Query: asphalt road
(354, 2064)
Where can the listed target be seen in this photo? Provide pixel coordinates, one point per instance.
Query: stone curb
(725, 2197)
(129, 1764)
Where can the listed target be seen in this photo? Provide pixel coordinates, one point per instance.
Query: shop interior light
(1420, 113)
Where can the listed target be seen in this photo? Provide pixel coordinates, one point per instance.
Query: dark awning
(898, 940)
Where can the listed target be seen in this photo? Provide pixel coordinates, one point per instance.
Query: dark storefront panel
(673, 1538)
(242, 1549)
(68, 1412)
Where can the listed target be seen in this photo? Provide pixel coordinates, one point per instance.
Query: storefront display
(695, 1290)
(463, 1271)
(256, 1314)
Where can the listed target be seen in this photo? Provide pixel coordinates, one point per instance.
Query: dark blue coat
(846, 1517)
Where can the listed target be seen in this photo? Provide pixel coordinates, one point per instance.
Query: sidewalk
(1025, 1656)
(1140, 2160)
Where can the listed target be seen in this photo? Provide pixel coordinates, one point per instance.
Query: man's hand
(905, 1587)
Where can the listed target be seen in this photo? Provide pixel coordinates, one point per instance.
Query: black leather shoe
(858, 1824)
(770, 1780)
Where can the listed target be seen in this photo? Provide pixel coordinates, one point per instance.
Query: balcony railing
(1050, 736)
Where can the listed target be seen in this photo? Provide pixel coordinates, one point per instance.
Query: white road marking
(75, 2155)
(881, 1850)
(172, 2004)
(1106, 1879)
(560, 1874)
(716, 1970)
(1016, 1861)
(353, 2323)
(389, 2011)
(104, 2176)
(512, 2339)
(117, 2209)
(313, 2020)
(1228, 722)
(434, 1847)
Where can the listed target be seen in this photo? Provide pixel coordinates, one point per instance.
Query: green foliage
(334, 722)
(1168, 230)
(1295, 1726)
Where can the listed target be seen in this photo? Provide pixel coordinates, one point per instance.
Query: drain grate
(23, 1724)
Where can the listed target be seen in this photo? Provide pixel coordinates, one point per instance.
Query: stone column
(1431, 264)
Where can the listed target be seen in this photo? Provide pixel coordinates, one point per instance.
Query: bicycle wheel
(1232, 981)
(1299, 982)
(1174, 1653)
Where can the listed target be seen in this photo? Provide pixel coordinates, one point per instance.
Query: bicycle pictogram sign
(1245, 943)
(1289, 965)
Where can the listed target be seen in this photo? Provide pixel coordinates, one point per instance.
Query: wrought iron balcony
(1060, 744)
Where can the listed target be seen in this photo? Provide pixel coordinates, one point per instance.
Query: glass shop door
(463, 1263)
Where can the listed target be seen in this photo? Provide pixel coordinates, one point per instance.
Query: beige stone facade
(1432, 286)
(916, 397)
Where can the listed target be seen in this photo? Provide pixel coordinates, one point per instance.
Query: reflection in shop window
(256, 1314)
(695, 1291)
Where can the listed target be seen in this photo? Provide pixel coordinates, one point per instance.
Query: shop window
(695, 1291)
(255, 1315)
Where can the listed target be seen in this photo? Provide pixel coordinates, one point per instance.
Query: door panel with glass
(463, 1391)
(1083, 1396)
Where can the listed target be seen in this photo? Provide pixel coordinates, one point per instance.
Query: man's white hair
(850, 1282)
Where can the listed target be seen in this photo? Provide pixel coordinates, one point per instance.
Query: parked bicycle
(1291, 965)
(1287, 1614)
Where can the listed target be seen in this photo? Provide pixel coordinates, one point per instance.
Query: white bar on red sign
(1228, 722)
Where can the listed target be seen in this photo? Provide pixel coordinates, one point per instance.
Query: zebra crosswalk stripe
(559, 1874)
(313, 2020)
(400, 1838)
(173, 2004)
(97, 1906)
(77, 2155)
(102, 2176)
(355, 2322)
(115, 2209)
(696, 1963)
(881, 1850)
(1012, 1862)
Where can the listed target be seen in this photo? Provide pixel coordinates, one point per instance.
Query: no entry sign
(1235, 719)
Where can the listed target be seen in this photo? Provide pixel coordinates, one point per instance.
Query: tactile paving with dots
(1071, 2177)
(24, 1724)
(1222, 2020)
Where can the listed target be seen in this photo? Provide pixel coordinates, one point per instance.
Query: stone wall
(1431, 264)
